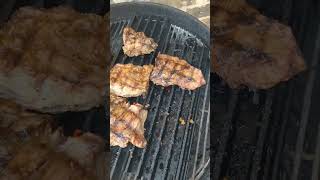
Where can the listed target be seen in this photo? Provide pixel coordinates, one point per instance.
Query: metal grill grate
(174, 151)
(272, 134)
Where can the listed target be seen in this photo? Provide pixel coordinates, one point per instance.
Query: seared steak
(73, 158)
(250, 49)
(137, 43)
(128, 80)
(127, 125)
(17, 125)
(114, 99)
(54, 60)
(170, 70)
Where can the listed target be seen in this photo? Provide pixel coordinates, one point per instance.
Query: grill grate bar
(120, 46)
(306, 109)
(194, 117)
(185, 135)
(265, 119)
(190, 137)
(161, 132)
(112, 64)
(316, 161)
(122, 61)
(133, 148)
(199, 135)
(173, 135)
(153, 119)
(183, 54)
(280, 101)
(207, 138)
(170, 49)
(281, 136)
(226, 131)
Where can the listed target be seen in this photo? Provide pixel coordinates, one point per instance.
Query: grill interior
(173, 151)
(275, 133)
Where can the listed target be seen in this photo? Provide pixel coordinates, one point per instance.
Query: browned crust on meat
(18, 125)
(127, 125)
(57, 43)
(114, 99)
(170, 70)
(16, 119)
(250, 49)
(128, 80)
(137, 43)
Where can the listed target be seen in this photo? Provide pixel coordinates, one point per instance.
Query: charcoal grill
(272, 134)
(173, 151)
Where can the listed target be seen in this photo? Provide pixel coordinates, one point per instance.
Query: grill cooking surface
(173, 151)
(272, 134)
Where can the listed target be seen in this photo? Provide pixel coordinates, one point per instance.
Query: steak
(137, 43)
(114, 99)
(54, 60)
(170, 70)
(250, 49)
(128, 80)
(17, 125)
(73, 158)
(127, 125)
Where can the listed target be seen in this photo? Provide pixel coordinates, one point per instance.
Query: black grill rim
(181, 18)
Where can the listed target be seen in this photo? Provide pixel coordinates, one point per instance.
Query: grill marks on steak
(137, 43)
(57, 51)
(127, 124)
(127, 121)
(43, 41)
(170, 70)
(128, 80)
(250, 49)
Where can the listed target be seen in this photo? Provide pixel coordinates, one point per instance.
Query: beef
(114, 99)
(170, 70)
(250, 49)
(137, 43)
(73, 158)
(127, 125)
(54, 60)
(128, 80)
(17, 125)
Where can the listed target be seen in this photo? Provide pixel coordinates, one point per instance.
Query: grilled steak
(53, 60)
(170, 70)
(137, 43)
(73, 158)
(128, 80)
(127, 125)
(114, 99)
(250, 49)
(17, 126)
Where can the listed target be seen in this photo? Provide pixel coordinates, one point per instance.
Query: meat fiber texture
(250, 49)
(54, 60)
(72, 158)
(127, 124)
(17, 125)
(171, 70)
(137, 43)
